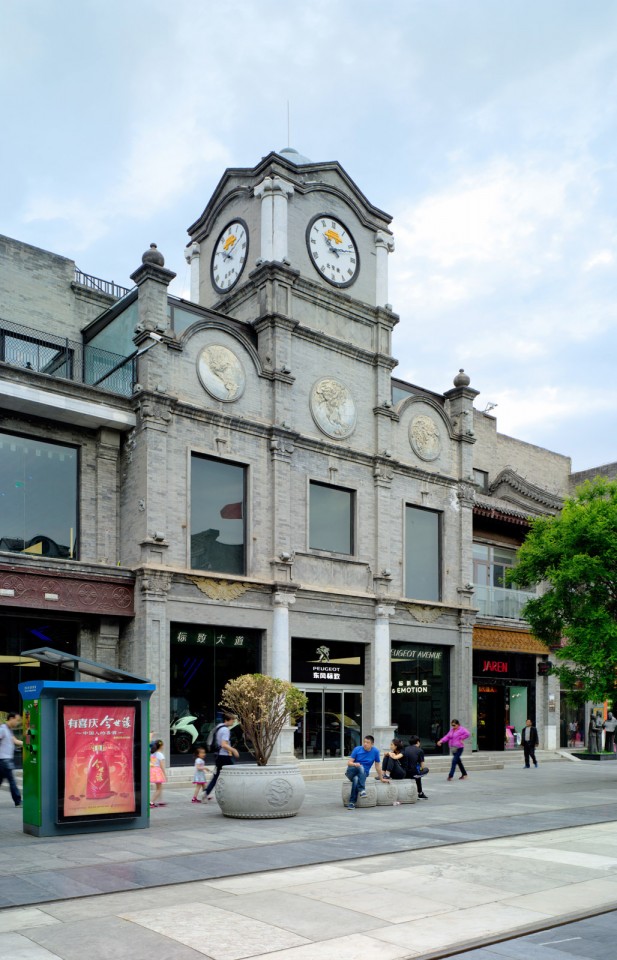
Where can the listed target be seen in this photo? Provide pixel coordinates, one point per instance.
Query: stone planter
(595, 756)
(249, 792)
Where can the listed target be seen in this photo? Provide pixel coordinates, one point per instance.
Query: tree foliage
(263, 705)
(575, 553)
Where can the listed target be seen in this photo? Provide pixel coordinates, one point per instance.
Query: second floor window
(422, 554)
(218, 511)
(490, 564)
(331, 518)
(38, 497)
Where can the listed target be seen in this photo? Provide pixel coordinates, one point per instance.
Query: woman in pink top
(456, 737)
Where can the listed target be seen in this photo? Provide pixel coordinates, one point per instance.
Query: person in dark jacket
(530, 742)
(412, 756)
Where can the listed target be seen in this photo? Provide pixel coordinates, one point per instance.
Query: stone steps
(333, 769)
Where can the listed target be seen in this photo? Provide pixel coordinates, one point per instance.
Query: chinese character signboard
(99, 746)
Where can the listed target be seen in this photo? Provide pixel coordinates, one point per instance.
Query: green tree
(575, 553)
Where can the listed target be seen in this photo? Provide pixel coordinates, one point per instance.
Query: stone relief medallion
(279, 792)
(221, 373)
(424, 437)
(333, 408)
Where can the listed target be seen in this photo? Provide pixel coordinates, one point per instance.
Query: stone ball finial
(153, 256)
(461, 379)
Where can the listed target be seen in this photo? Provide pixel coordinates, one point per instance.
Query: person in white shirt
(8, 742)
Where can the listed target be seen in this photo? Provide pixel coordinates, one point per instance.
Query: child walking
(199, 773)
(157, 773)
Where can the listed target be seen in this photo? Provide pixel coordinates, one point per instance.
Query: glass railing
(66, 359)
(500, 602)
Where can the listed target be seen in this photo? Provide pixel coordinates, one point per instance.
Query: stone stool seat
(396, 791)
(370, 800)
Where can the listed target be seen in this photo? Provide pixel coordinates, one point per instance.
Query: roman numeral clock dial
(229, 256)
(332, 250)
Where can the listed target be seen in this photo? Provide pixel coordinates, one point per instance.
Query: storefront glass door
(331, 726)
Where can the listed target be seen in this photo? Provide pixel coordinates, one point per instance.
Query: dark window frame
(78, 470)
(195, 455)
(352, 516)
(439, 515)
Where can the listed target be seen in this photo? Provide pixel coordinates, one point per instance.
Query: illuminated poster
(99, 776)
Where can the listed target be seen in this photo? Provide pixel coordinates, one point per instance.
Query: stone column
(191, 255)
(281, 665)
(384, 244)
(381, 677)
(281, 653)
(274, 193)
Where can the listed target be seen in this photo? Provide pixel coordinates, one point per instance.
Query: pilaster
(192, 255)
(274, 193)
(384, 244)
(107, 453)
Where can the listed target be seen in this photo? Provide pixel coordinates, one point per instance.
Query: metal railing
(501, 602)
(108, 287)
(66, 359)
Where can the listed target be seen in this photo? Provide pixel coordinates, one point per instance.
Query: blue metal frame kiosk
(85, 749)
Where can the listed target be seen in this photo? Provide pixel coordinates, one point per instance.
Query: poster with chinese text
(99, 759)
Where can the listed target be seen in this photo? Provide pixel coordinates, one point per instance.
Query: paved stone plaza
(506, 851)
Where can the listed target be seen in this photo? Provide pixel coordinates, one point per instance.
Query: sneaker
(195, 800)
(362, 793)
(463, 776)
(422, 796)
(351, 806)
(154, 804)
(396, 803)
(450, 778)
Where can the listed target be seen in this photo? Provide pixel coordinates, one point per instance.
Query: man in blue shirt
(359, 766)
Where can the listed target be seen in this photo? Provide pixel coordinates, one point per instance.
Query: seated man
(359, 766)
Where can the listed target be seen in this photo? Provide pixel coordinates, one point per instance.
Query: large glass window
(38, 497)
(420, 692)
(331, 518)
(422, 554)
(218, 512)
(202, 660)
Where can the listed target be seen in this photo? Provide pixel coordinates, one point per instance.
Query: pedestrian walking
(158, 776)
(199, 774)
(8, 742)
(456, 737)
(530, 742)
(225, 753)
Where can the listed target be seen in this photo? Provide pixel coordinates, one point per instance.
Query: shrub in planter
(263, 705)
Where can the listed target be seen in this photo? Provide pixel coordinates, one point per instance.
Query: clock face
(332, 250)
(230, 253)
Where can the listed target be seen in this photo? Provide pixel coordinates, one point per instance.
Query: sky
(486, 128)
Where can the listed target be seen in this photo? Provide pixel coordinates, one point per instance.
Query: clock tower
(309, 219)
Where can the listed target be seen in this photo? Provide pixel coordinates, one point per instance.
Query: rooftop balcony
(66, 359)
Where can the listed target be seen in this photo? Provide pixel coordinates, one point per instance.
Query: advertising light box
(99, 760)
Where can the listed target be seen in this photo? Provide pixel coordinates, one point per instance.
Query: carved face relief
(424, 437)
(333, 408)
(221, 373)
